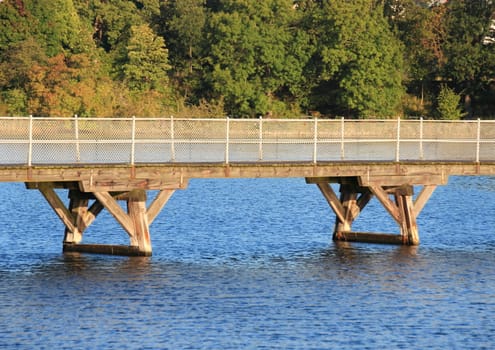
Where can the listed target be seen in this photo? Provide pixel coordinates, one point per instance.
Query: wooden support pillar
(353, 199)
(78, 207)
(137, 220)
(408, 225)
(136, 208)
(82, 216)
(354, 196)
(348, 199)
(78, 216)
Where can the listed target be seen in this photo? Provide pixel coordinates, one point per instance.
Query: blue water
(249, 264)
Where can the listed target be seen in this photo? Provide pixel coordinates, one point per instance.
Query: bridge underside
(88, 198)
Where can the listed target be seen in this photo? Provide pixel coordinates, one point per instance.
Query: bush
(448, 107)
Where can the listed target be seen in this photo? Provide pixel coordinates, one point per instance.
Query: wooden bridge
(101, 162)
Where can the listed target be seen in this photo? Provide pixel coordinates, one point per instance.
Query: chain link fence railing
(32, 141)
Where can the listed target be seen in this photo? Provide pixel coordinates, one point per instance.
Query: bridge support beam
(79, 215)
(355, 194)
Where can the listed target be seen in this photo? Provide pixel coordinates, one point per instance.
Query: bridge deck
(152, 176)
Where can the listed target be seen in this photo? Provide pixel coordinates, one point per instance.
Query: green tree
(147, 60)
(57, 25)
(469, 62)
(186, 42)
(14, 21)
(49, 89)
(112, 20)
(361, 61)
(256, 59)
(421, 30)
(16, 62)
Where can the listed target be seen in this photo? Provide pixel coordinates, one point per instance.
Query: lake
(250, 264)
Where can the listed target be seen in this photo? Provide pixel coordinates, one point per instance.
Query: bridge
(101, 162)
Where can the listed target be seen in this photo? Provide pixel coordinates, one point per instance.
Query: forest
(246, 58)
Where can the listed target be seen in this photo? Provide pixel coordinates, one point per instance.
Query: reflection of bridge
(103, 161)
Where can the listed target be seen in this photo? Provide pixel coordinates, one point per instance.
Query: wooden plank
(117, 212)
(332, 200)
(158, 203)
(422, 198)
(58, 206)
(382, 196)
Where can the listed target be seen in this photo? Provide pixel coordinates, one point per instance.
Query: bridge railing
(31, 141)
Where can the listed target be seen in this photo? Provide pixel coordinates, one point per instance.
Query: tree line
(244, 58)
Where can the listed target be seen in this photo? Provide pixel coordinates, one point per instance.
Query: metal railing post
(133, 140)
(30, 145)
(227, 140)
(421, 150)
(172, 139)
(76, 135)
(315, 141)
(342, 139)
(478, 137)
(397, 148)
(260, 137)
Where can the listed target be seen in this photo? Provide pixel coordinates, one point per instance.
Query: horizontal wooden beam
(107, 249)
(369, 237)
(401, 180)
(353, 180)
(95, 185)
(434, 173)
(70, 185)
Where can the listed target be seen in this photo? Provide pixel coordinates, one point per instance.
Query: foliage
(448, 104)
(57, 25)
(14, 23)
(355, 58)
(147, 60)
(470, 62)
(185, 43)
(361, 60)
(252, 61)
